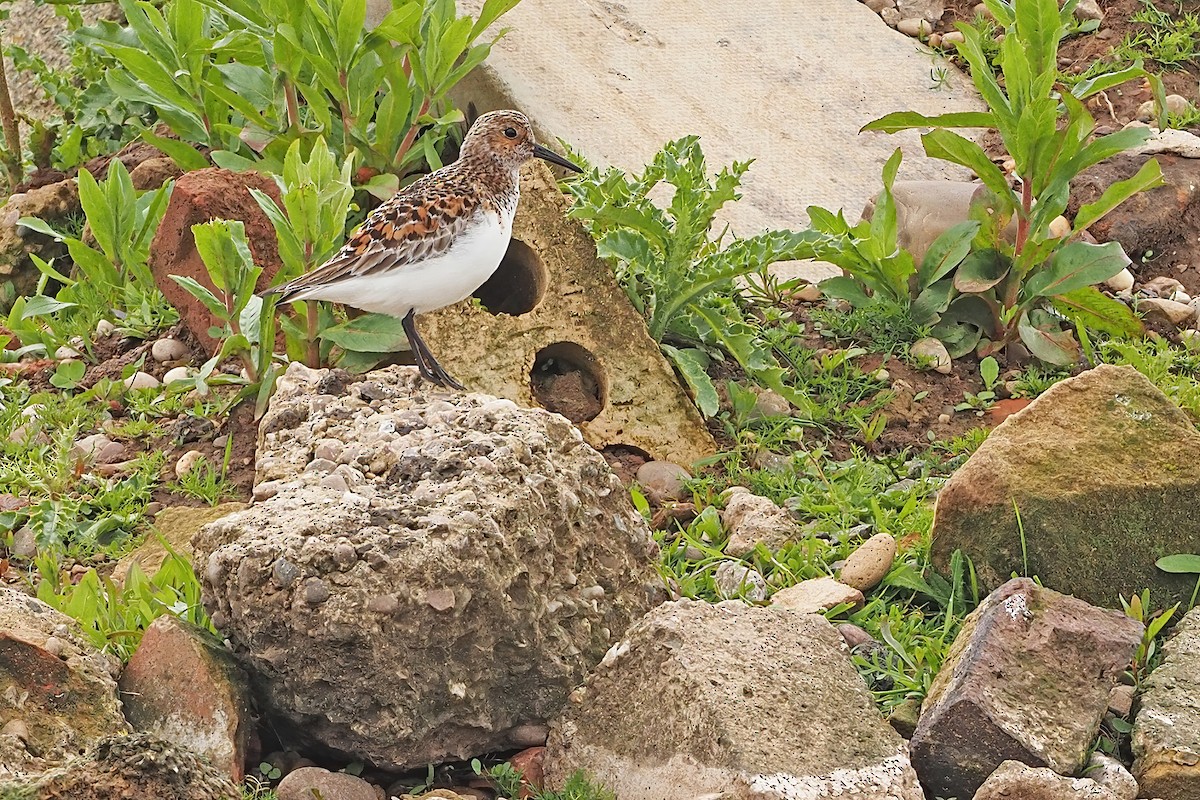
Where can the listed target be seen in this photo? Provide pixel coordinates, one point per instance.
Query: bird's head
(507, 138)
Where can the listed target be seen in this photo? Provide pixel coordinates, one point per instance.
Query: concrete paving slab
(784, 82)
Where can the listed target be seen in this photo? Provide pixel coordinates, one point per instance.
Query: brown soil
(572, 392)
(1114, 108)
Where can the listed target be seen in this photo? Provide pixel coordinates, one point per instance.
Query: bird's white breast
(438, 281)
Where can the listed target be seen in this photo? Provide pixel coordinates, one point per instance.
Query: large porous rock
(734, 702)
(433, 573)
(50, 203)
(1026, 680)
(1102, 468)
(59, 693)
(1016, 781)
(198, 197)
(1166, 731)
(121, 767)
(183, 686)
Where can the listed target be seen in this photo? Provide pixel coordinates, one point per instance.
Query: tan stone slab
(786, 83)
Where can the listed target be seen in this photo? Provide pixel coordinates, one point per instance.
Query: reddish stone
(1003, 409)
(198, 197)
(184, 687)
(1027, 679)
(528, 762)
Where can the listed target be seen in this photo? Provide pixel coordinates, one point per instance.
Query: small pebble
(663, 481)
(870, 563)
(141, 380)
(737, 580)
(187, 462)
(168, 349)
(104, 329)
(930, 353)
(915, 27)
(177, 374)
(67, 352)
(54, 646)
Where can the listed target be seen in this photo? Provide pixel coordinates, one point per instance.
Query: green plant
(1182, 564)
(1147, 656)
(1168, 39)
(12, 154)
(989, 371)
(1024, 290)
(247, 78)
(509, 783)
(1174, 370)
(113, 617)
(247, 329)
(674, 272)
(112, 274)
(204, 481)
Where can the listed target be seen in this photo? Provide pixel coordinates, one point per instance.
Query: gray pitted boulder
(432, 573)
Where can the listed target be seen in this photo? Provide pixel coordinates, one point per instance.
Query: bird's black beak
(546, 154)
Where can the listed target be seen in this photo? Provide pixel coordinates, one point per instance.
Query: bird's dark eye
(510, 133)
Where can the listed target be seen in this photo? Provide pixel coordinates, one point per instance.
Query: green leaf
(1074, 266)
(906, 120)
(980, 271)
(691, 363)
(843, 287)
(203, 294)
(1051, 345)
(946, 252)
(1149, 176)
(949, 146)
(930, 303)
(41, 304)
(39, 225)
(370, 333)
(1180, 563)
(68, 374)
(186, 157)
(1096, 311)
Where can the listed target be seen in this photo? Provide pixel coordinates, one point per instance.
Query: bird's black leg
(429, 367)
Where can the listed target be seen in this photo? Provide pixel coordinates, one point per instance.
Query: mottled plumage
(438, 240)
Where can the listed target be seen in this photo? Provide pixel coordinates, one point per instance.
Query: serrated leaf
(691, 364)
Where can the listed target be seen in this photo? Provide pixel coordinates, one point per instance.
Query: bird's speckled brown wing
(418, 223)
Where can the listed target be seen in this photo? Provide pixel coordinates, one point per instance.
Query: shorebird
(436, 241)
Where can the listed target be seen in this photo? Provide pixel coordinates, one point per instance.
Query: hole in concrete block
(518, 284)
(568, 380)
(624, 460)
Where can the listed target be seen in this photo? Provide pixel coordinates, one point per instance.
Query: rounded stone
(663, 481)
(141, 380)
(187, 462)
(932, 354)
(167, 349)
(176, 374)
(868, 565)
(104, 329)
(309, 782)
(1121, 282)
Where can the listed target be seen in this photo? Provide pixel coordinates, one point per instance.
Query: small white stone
(167, 349)
(67, 352)
(737, 580)
(141, 380)
(914, 27)
(1059, 227)
(953, 37)
(176, 374)
(187, 462)
(930, 353)
(1121, 282)
(104, 328)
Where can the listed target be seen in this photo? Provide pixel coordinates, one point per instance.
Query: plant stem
(412, 133)
(293, 105)
(313, 357)
(1023, 218)
(12, 134)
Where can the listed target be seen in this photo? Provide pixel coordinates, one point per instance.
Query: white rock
(915, 27)
(167, 349)
(104, 328)
(1112, 775)
(953, 37)
(1059, 227)
(1089, 9)
(932, 352)
(90, 446)
(816, 595)
(176, 374)
(187, 462)
(141, 380)
(737, 580)
(1177, 314)
(1191, 338)
(1121, 282)
(66, 352)
(1162, 286)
